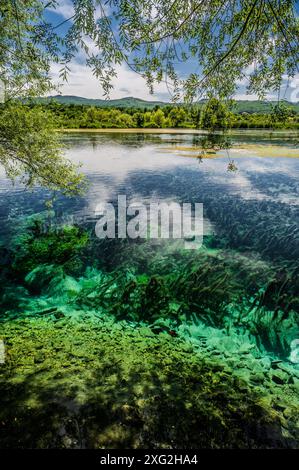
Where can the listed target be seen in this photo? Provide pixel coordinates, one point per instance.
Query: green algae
(104, 384)
(219, 286)
(236, 150)
(119, 344)
(39, 244)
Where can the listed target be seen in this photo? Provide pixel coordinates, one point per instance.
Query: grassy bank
(257, 131)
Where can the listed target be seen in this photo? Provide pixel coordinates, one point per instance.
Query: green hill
(128, 102)
(241, 106)
(260, 107)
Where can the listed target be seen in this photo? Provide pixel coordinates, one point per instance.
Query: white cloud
(64, 8)
(247, 72)
(294, 86)
(289, 87)
(81, 82)
(244, 96)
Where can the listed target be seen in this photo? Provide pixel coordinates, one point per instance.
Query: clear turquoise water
(234, 301)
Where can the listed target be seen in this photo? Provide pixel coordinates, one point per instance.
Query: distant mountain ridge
(127, 102)
(241, 106)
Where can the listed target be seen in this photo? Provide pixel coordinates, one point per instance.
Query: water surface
(132, 311)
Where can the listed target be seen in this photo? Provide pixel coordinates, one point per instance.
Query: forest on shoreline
(214, 115)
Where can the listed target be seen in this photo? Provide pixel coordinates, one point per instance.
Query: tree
(138, 119)
(281, 113)
(196, 116)
(225, 37)
(158, 118)
(148, 119)
(177, 116)
(30, 150)
(215, 115)
(228, 40)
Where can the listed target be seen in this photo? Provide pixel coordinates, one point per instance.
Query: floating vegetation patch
(191, 152)
(270, 151)
(237, 150)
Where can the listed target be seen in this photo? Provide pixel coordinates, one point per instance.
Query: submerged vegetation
(167, 349)
(216, 285)
(47, 245)
(112, 343)
(94, 383)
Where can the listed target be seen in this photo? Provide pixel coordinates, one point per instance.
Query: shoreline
(176, 131)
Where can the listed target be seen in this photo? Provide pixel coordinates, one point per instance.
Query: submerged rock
(280, 377)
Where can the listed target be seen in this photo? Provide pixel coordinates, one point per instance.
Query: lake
(105, 339)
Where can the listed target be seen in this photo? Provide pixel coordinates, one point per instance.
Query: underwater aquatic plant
(220, 287)
(40, 244)
(40, 278)
(102, 384)
(232, 166)
(145, 298)
(141, 282)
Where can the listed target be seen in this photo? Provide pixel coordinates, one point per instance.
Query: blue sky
(81, 82)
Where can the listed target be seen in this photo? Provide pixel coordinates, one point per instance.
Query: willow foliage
(229, 41)
(31, 151)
